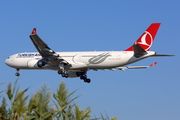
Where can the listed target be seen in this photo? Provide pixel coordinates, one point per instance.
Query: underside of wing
(135, 67)
(123, 68)
(161, 55)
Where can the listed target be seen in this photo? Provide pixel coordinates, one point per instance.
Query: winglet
(34, 31)
(153, 64)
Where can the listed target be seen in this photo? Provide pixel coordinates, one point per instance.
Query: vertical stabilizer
(146, 39)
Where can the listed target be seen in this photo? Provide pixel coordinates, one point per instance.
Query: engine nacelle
(73, 74)
(41, 63)
(37, 63)
(33, 64)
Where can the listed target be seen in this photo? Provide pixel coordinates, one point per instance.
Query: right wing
(45, 51)
(123, 68)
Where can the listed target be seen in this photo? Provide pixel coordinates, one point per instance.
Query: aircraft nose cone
(10, 61)
(6, 61)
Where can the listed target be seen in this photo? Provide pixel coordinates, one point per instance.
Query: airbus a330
(76, 64)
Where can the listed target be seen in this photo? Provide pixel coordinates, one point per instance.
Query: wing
(123, 68)
(45, 51)
(135, 67)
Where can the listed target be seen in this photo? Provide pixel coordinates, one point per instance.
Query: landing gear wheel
(17, 74)
(87, 80)
(83, 77)
(63, 74)
(84, 80)
(66, 76)
(60, 71)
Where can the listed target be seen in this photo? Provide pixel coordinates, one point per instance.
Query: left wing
(135, 67)
(45, 51)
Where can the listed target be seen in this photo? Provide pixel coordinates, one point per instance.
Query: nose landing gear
(17, 72)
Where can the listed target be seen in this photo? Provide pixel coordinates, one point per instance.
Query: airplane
(76, 64)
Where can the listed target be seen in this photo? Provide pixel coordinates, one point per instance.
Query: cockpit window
(8, 57)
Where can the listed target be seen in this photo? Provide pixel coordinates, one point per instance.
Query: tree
(37, 107)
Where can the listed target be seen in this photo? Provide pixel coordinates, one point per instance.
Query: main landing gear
(83, 76)
(63, 73)
(17, 72)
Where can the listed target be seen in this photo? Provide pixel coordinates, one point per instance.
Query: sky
(101, 25)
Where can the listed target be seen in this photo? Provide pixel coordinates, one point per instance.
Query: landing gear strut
(63, 73)
(83, 76)
(17, 72)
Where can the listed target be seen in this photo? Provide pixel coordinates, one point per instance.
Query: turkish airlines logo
(145, 41)
(99, 58)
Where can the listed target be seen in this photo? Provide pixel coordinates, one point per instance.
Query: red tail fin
(147, 38)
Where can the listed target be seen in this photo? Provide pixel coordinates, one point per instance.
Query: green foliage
(3, 111)
(82, 114)
(1, 91)
(114, 118)
(40, 103)
(64, 101)
(38, 106)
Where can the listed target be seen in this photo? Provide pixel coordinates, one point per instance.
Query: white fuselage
(78, 60)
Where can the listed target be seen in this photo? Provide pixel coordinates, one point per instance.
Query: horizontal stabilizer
(138, 50)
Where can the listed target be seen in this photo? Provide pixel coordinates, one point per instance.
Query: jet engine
(42, 62)
(37, 63)
(32, 64)
(73, 74)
